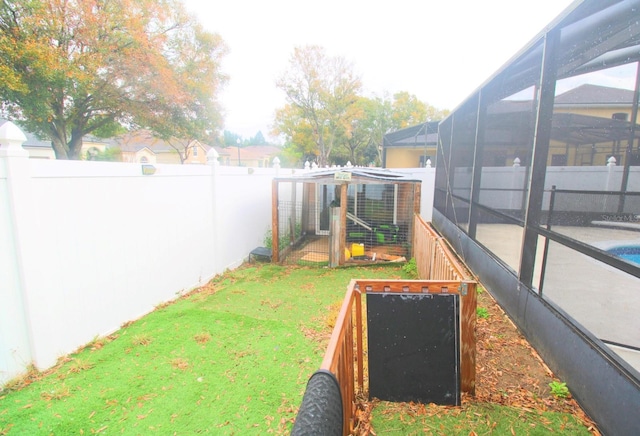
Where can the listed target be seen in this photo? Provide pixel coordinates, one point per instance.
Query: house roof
(418, 135)
(34, 142)
(358, 174)
(250, 152)
(136, 141)
(591, 95)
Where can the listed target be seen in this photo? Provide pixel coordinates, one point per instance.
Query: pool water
(630, 253)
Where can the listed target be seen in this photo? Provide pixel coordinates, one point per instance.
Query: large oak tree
(75, 67)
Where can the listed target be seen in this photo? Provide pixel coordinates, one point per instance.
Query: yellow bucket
(357, 250)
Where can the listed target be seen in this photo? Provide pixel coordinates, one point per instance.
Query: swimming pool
(627, 252)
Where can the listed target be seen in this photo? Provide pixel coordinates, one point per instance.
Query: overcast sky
(440, 51)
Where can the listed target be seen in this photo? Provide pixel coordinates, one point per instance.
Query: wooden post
(359, 345)
(417, 197)
(343, 222)
(468, 338)
(334, 236)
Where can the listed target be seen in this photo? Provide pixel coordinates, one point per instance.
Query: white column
(16, 347)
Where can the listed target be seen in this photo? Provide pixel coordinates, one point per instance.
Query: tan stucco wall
(408, 157)
(40, 153)
(197, 154)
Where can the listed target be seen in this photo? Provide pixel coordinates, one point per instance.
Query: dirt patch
(508, 370)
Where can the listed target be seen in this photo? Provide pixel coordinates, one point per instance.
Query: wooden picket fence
(439, 270)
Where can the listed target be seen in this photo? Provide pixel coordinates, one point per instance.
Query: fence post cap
(11, 140)
(212, 156)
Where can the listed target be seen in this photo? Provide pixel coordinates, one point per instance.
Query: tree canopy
(320, 91)
(327, 120)
(77, 67)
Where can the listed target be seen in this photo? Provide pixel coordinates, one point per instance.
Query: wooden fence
(439, 271)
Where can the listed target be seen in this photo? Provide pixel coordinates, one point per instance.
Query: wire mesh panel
(378, 222)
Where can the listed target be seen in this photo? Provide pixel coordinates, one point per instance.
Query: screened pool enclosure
(538, 188)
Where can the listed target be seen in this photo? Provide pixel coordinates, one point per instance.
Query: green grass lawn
(231, 358)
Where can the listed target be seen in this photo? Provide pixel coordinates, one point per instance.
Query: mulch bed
(509, 372)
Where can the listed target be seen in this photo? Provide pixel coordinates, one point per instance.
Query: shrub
(558, 389)
(482, 312)
(411, 268)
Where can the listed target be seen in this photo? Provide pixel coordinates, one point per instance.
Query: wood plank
(343, 222)
(468, 339)
(334, 237)
(409, 286)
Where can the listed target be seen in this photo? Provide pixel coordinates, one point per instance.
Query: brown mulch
(509, 372)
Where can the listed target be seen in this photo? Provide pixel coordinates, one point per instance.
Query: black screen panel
(414, 347)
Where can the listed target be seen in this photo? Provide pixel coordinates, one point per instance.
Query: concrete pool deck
(606, 301)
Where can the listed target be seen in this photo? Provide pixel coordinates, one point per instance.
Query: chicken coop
(343, 216)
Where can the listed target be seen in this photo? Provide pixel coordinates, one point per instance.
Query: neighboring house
(411, 147)
(138, 153)
(41, 148)
(257, 156)
(143, 147)
(37, 148)
(591, 123)
(592, 112)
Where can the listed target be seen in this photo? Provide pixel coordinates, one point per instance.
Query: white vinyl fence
(88, 246)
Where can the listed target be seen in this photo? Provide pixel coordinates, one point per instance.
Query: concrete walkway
(604, 300)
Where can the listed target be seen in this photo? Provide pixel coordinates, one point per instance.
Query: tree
(74, 67)
(112, 154)
(300, 145)
(384, 115)
(258, 139)
(409, 111)
(319, 93)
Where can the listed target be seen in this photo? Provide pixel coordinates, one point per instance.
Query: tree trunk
(59, 149)
(75, 145)
(67, 151)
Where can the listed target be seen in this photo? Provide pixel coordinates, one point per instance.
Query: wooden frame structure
(406, 205)
(445, 274)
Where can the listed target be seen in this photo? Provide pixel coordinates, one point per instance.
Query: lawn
(233, 357)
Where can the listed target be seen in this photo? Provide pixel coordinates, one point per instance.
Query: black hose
(321, 409)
